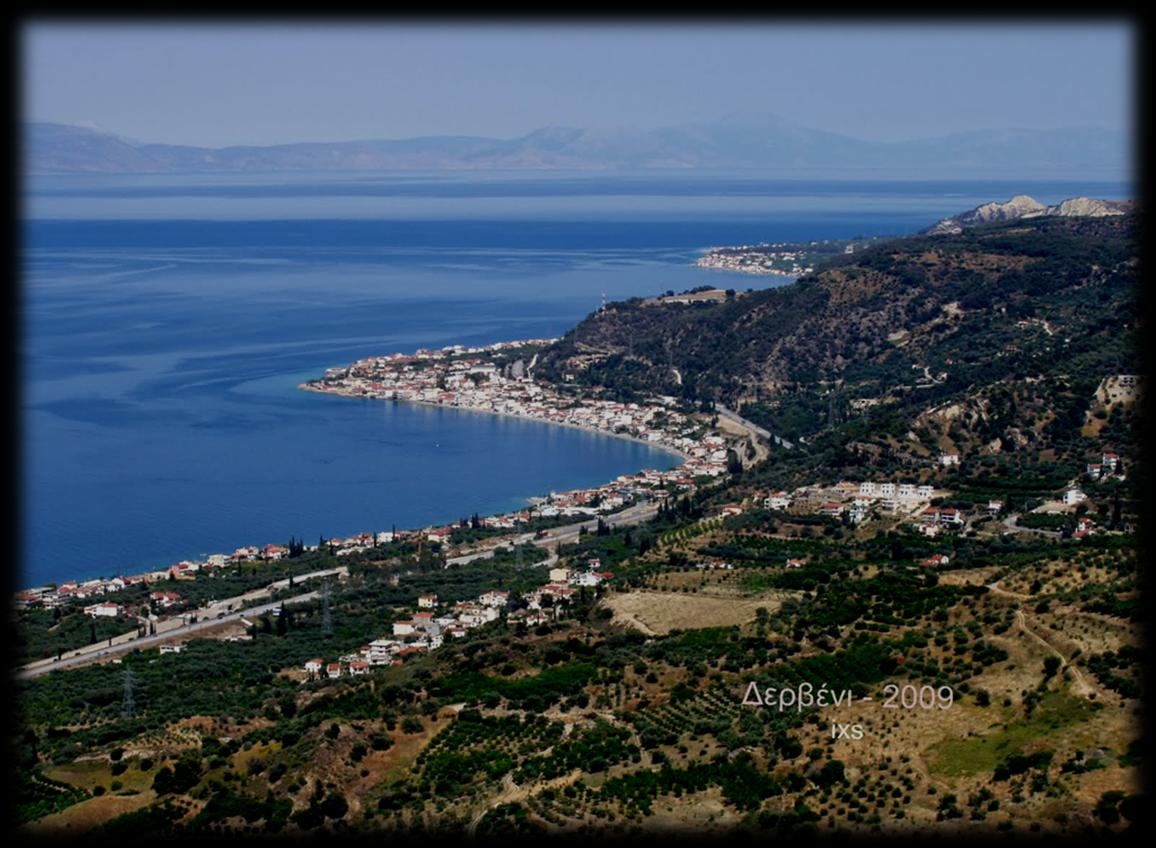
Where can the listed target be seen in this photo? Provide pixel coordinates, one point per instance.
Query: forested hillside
(872, 321)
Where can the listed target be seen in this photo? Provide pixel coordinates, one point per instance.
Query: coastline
(755, 271)
(680, 455)
(684, 457)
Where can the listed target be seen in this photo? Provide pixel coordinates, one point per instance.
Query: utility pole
(128, 707)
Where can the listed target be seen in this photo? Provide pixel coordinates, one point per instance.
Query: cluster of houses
(757, 259)
(1110, 467)
(71, 590)
(855, 500)
(107, 609)
(434, 621)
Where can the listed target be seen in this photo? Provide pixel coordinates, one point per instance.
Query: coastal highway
(211, 615)
(734, 417)
(569, 533)
(90, 653)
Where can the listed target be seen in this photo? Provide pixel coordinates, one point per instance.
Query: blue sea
(166, 322)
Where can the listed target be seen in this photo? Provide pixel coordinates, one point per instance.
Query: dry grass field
(657, 613)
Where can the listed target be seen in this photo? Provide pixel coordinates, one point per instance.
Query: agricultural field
(657, 613)
(998, 693)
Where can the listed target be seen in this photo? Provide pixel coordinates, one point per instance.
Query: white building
(1073, 496)
(103, 610)
(779, 500)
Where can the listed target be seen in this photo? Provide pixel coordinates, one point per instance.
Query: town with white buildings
(460, 377)
(466, 378)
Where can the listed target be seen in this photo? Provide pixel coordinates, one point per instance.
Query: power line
(326, 612)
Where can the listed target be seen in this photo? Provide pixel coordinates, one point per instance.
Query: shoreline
(680, 455)
(684, 457)
(754, 271)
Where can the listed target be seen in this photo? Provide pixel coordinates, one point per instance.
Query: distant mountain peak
(1023, 206)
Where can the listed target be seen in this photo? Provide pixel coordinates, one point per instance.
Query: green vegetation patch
(534, 692)
(1055, 710)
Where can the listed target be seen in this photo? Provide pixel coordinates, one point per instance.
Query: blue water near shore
(166, 322)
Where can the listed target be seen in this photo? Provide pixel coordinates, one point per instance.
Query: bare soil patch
(657, 613)
(88, 814)
(968, 576)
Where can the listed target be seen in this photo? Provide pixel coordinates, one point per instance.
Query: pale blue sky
(219, 84)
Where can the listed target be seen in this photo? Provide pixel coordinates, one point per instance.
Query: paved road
(751, 425)
(1012, 526)
(91, 653)
(569, 533)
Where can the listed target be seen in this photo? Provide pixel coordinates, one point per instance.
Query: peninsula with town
(892, 586)
(785, 259)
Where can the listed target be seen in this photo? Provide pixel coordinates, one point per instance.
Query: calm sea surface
(166, 322)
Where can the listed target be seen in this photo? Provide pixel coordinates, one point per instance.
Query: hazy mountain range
(738, 142)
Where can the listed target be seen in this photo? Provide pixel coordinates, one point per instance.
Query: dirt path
(994, 587)
(1080, 684)
(512, 792)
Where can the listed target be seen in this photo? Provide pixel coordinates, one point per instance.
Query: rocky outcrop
(1022, 206)
(1088, 207)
